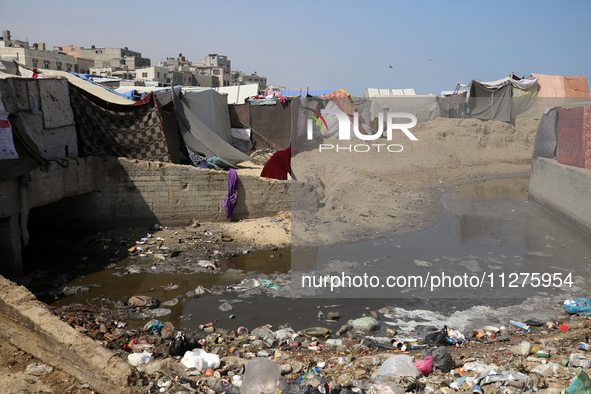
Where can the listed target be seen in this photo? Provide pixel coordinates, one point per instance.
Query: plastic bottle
(519, 324)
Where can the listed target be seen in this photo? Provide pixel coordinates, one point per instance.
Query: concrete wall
(564, 190)
(119, 192)
(29, 325)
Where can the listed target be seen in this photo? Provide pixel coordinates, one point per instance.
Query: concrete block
(562, 189)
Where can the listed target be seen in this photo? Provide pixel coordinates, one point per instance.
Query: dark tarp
(171, 130)
(452, 106)
(545, 143)
(239, 115)
(490, 103)
(200, 139)
(570, 145)
(29, 156)
(132, 131)
(271, 126)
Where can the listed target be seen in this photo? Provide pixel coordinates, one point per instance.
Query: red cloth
(570, 142)
(278, 166)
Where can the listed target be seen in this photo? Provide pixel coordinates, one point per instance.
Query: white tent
(209, 106)
(369, 92)
(238, 94)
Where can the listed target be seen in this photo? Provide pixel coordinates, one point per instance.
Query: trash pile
(546, 357)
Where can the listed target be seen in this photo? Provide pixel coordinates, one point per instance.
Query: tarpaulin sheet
(451, 102)
(570, 142)
(545, 142)
(29, 156)
(202, 140)
(239, 115)
(92, 88)
(208, 105)
(238, 94)
(132, 131)
(526, 103)
(558, 90)
(271, 126)
(490, 104)
(425, 108)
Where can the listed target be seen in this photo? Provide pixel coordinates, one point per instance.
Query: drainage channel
(489, 229)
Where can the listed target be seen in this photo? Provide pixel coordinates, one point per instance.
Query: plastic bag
(425, 366)
(153, 326)
(580, 306)
(136, 359)
(181, 344)
(439, 338)
(396, 366)
(200, 360)
(262, 376)
(364, 324)
(442, 359)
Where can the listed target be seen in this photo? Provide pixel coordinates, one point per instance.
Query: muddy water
(489, 228)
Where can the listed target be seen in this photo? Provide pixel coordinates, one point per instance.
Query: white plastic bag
(136, 359)
(262, 375)
(396, 366)
(200, 360)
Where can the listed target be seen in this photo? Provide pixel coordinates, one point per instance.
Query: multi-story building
(116, 58)
(240, 78)
(34, 56)
(160, 76)
(216, 65)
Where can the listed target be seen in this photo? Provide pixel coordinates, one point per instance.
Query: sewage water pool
(488, 229)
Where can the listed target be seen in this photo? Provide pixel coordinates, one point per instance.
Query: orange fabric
(558, 90)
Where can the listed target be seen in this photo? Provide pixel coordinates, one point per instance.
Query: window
(167, 79)
(216, 72)
(58, 66)
(35, 64)
(158, 75)
(144, 75)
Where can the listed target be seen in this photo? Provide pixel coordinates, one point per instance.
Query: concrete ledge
(29, 325)
(564, 190)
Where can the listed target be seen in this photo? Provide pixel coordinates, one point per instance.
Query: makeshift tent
(453, 106)
(132, 131)
(201, 140)
(270, 125)
(488, 102)
(96, 90)
(557, 90)
(565, 133)
(238, 94)
(425, 108)
(369, 92)
(208, 105)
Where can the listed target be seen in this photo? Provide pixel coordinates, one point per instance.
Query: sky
(427, 45)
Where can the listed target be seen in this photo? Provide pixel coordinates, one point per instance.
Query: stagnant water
(489, 231)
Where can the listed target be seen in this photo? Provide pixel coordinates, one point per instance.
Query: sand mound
(374, 193)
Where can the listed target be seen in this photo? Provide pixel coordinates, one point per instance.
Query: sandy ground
(360, 196)
(373, 194)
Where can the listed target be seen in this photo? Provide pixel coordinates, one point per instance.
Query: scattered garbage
(262, 376)
(397, 366)
(136, 359)
(364, 324)
(38, 369)
(580, 385)
(200, 360)
(354, 359)
(580, 306)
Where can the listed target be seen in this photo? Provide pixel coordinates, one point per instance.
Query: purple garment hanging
(230, 201)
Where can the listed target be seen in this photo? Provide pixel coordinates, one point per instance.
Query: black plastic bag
(178, 346)
(442, 359)
(439, 338)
